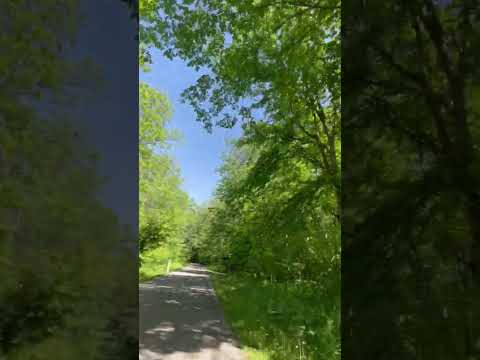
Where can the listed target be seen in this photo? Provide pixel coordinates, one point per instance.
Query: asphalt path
(181, 319)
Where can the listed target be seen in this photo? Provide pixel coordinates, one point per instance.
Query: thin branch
(433, 100)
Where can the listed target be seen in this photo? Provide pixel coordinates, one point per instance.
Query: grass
(155, 262)
(281, 321)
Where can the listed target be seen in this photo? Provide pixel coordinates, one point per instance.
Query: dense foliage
(64, 258)
(273, 224)
(164, 208)
(411, 212)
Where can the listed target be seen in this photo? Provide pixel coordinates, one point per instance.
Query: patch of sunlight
(254, 354)
(163, 327)
(187, 274)
(222, 351)
(172, 302)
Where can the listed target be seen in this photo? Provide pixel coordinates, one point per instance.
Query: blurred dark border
(410, 180)
(69, 179)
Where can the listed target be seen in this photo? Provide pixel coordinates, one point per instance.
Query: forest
(65, 257)
(411, 173)
(346, 219)
(405, 193)
(272, 228)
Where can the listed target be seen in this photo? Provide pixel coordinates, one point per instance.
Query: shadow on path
(180, 318)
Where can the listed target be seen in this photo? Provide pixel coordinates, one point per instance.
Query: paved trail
(181, 319)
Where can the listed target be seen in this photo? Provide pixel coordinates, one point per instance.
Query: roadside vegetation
(278, 320)
(164, 208)
(67, 267)
(278, 244)
(160, 261)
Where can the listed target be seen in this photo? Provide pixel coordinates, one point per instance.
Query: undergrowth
(281, 321)
(155, 262)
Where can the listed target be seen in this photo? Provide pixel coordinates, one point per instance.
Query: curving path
(181, 319)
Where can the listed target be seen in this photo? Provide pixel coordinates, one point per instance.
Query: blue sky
(199, 153)
(105, 114)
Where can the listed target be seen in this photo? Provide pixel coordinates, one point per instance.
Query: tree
(411, 124)
(60, 276)
(163, 205)
(281, 57)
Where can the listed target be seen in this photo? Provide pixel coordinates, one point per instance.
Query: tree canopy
(60, 273)
(411, 210)
(163, 206)
(277, 63)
